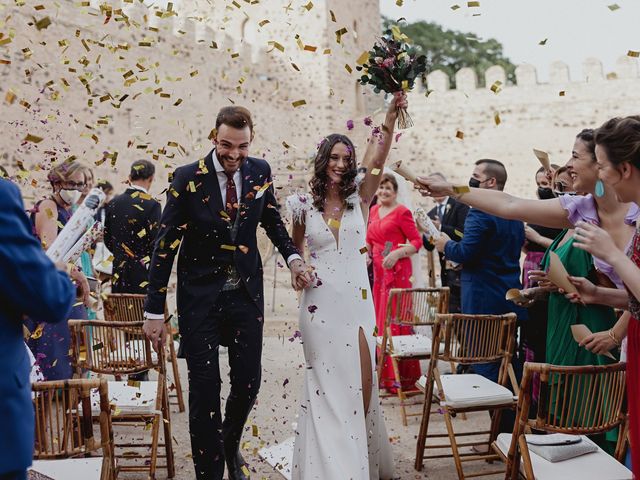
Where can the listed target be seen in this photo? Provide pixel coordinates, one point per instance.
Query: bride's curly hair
(320, 179)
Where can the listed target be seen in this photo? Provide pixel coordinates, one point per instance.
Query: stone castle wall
(115, 82)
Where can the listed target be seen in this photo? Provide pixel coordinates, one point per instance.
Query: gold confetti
(142, 233)
(275, 44)
(458, 233)
(543, 42)
(191, 187)
(364, 250)
(299, 103)
(460, 134)
(362, 59)
(375, 171)
(254, 428)
(98, 346)
(263, 23)
(194, 73)
(562, 93)
(333, 223)
(340, 33)
(133, 383)
(460, 189)
(455, 7)
(364, 293)
(473, 4)
(633, 53)
(37, 333)
(174, 245)
(308, 6)
(10, 97)
(310, 48)
(399, 2)
(32, 138)
(333, 16)
(43, 23)
(613, 7)
(228, 247)
(348, 68)
(496, 87)
(496, 118)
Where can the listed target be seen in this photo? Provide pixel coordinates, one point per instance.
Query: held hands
(300, 275)
(156, 332)
(599, 343)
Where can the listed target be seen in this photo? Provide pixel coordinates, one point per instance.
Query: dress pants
(235, 322)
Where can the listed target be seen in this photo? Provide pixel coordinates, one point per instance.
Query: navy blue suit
(490, 254)
(30, 285)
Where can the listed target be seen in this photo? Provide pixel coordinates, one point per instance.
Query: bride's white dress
(334, 440)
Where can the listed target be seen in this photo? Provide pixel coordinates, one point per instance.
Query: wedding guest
(618, 155)
(86, 263)
(131, 224)
(449, 216)
(392, 237)
(489, 253)
(30, 285)
(50, 342)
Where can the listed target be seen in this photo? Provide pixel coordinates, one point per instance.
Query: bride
(341, 432)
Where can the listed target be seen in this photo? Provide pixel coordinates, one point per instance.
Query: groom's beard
(227, 160)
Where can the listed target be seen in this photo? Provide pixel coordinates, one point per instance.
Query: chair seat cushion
(592, 466)
(64, 469)
(471, 390)
(410, 345)
(129, 399)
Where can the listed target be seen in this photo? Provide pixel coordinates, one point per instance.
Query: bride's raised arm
(378, 149)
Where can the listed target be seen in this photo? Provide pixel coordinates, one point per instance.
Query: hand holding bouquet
(392, 65)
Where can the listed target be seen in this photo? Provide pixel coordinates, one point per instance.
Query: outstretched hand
(594, 240)
(434, 187)
(586, 291)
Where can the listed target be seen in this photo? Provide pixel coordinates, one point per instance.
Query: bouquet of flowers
(392, 65)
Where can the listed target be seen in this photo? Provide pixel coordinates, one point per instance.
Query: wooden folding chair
(431, 268)
(121, 348)
(581, 400)
(414, 307)
(129, 307)
(468, 339)
(65, 446)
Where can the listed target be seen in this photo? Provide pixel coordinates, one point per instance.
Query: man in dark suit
(213, 209)
(490, 255)
(131, 223)
(30, 285)
(449, 216)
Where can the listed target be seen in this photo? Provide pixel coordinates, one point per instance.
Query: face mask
(70, 197)
(545, 193)
(474, 182)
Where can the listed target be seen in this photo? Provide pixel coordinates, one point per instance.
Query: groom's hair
(235, 117)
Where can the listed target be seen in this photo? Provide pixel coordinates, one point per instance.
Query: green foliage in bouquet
(392, 65)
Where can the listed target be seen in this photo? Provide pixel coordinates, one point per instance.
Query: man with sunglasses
(490, 254)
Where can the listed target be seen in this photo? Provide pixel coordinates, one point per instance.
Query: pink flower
(388, 62)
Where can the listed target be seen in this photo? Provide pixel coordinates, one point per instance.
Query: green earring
(599, 188)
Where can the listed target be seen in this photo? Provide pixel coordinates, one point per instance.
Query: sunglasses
(67, 185)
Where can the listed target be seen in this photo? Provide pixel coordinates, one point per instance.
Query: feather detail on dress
(297, 206)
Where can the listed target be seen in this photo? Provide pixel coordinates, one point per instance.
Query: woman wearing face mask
(50, 342)
(392, 237)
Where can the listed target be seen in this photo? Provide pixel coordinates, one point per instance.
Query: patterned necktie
(231, 202)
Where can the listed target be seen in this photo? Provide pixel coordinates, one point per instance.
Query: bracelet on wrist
(613, 337)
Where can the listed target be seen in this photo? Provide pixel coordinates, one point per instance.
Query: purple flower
(368, 121)
(349, 124)
(312, 308)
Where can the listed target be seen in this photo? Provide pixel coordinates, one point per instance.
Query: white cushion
(592, 466)
(471, 390)
(64, 469)
(410, 345)
(128, 399)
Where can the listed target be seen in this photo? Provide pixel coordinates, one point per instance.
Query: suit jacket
(490, 254)
(131, 223)
(194, 219)
(30, 285)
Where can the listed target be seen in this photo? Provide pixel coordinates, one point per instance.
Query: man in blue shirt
(30, 284)
(490, 254)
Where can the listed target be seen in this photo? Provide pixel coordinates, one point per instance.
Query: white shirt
(222, 181)
(138, 187)
(442, 207)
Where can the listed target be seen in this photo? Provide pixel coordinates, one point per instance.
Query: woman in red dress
(618, 154)
(392, 237)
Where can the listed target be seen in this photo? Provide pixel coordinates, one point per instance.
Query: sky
(574, 29)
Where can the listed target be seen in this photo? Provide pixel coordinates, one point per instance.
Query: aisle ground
(276, 409)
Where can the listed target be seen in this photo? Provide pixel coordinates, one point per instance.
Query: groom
(213, 209)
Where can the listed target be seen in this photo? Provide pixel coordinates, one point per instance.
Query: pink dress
(399, 228)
